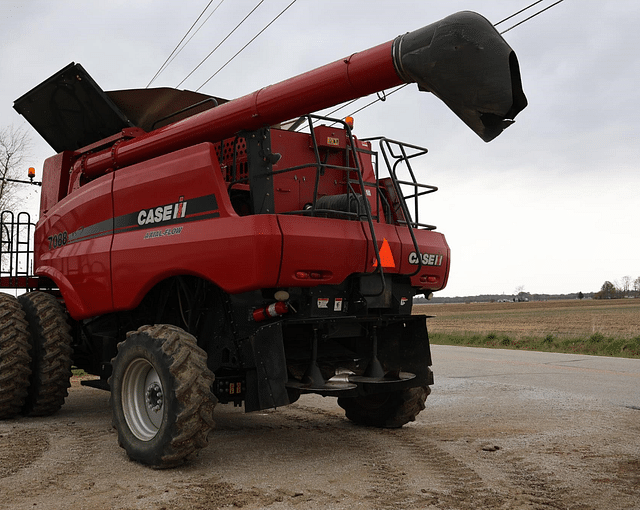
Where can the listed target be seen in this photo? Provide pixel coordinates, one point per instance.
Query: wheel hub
(142, 399)
(154, 397)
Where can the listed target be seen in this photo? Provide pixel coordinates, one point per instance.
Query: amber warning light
(31, 174)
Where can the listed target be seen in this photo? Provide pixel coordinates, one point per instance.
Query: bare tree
(14, 149)
(626, 284)
(636, 285)
(521, 295)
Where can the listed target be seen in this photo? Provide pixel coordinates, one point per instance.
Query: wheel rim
(142, 399)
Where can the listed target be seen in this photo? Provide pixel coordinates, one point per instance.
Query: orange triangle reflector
(386, 257)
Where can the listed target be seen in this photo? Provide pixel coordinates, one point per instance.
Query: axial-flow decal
(200, 208)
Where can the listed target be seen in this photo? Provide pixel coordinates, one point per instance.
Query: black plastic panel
(70, 110)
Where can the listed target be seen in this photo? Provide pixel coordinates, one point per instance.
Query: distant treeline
(492, 298)
(624, 288)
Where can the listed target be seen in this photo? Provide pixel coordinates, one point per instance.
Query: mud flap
(266, 380)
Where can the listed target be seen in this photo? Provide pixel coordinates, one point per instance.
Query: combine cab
(182, 236)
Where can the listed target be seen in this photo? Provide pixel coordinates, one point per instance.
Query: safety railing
(16, 249)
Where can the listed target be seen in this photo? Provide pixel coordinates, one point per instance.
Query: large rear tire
(161, 396)
(15, 361)
(386, 410)
(50, 353)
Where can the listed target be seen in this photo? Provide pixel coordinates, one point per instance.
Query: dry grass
(619, 318)
(603, 327)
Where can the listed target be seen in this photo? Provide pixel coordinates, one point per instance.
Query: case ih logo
(428, 259)
(163, 213)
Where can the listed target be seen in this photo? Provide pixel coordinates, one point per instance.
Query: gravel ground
(498, 433)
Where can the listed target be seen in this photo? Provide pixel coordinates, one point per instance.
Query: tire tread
(51, 360)
(15, 360)
(400, 408)
(196, 402)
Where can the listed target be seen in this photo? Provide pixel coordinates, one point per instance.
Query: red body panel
(330, 248)
(55, 180)
(436, 258)
(73, 245)
(295, 189)
(110, 241)
(211, 240)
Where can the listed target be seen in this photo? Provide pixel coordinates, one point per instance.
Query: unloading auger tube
(461, 59)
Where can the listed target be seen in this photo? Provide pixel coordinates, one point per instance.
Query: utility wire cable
(194, 34)
(349, 103)
(166, 62)
(400, 87)
(532, 16)
(243, 48)
(221, 42)
(516, 13)
(384, 98)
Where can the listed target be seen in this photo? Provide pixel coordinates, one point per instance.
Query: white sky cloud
(552, 204)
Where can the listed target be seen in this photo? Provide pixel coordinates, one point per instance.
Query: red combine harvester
(182, 236)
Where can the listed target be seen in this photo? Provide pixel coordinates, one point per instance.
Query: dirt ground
(478, 445)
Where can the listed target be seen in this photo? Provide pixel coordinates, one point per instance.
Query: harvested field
(616, 318)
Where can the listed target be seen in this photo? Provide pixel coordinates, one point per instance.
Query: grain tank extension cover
(70, 110)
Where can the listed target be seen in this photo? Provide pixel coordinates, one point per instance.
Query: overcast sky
(551, 205)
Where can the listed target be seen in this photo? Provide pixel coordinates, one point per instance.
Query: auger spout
(464, 61)
(461, 59)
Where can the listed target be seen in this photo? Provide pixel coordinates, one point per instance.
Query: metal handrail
(393, 160)
(16, 245)
(395, 154)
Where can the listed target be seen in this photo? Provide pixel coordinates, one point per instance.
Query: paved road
(506, 430)
(612, 380)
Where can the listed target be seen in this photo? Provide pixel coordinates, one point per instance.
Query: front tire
(386, 410)
(161, 396)
(50, 353)
(15, 361)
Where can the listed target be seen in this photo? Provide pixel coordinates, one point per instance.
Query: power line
(243, 48)
(532, 16)
(342, 106)
(516, 13)
(164, 65)
(198, 30)
(221, 42)
(382, 99)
